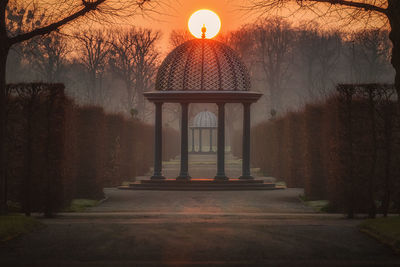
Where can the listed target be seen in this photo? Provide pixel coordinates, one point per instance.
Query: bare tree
(134, 59)
(273, 41)
(48, 56)
(178, 37)
(354, 11)
(52, 16)
(306, 41)
(372, 49)
(326, 52)
(242, 42)
(93, 51)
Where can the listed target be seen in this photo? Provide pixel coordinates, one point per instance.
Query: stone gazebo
(203, 121)
(202, 71)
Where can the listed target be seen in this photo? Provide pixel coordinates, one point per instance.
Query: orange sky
(174, 14)
(176, 17)
(231, 13)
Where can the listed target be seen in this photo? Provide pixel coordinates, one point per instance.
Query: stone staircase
(202, 169)
(204, 166)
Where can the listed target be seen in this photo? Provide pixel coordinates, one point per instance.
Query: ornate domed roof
(202, 65)
(205, 119)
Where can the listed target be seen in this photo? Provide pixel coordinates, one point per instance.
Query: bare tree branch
(362, 5)
(88, 6)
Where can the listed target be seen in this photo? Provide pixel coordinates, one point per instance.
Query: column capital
(221, 104)
(246, 104)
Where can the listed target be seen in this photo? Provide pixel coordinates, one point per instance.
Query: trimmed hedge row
(58, 150)
(345, 149)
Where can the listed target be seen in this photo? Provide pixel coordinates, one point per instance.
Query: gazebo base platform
(201, 185)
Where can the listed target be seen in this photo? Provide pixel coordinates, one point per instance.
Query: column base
(220, 177)
(183, 177)
(157, 177)
(246, 177)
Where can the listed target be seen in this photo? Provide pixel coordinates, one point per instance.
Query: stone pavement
(276, 201)
(158, 228)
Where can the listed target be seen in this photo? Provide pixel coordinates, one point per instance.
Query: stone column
(210, 150)
(200, 137)
(246, 143)
(192, 139)
(157, 175)
(184, 174)
(221, 143)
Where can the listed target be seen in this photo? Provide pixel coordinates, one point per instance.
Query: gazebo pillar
(210, 150)
(184, 172)
(221, 143)
(192, 139)
(200, 137)
(157, 175)
(246, 143)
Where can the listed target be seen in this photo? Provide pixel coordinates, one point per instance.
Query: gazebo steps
(206, 171)
(202, 182)
(206, 157)
(201, 185)
(214, 163)
(199, 173)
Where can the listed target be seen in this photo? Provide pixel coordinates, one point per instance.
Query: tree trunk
(393, 14)
(394, 20)
(4, 49)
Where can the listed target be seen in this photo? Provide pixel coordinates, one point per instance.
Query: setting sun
(207, 18)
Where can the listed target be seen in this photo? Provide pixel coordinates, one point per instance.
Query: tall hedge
(58, 150)
(35, 147)
(345, 149)
(90, 157)
(315, 183)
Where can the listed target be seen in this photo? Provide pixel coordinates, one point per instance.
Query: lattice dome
(202, 65)
(205, 119)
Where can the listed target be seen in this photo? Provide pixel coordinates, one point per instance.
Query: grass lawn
(317, 205)
(12, 226)
(79, 205)
(386, 230)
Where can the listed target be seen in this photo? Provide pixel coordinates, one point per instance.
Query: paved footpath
(167, 228)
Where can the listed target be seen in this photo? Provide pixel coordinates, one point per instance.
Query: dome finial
(203, 30)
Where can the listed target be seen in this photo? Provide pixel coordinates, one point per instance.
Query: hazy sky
(175, 15)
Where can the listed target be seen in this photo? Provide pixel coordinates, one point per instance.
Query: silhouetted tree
(354, 11)
(242, 41)
(273, 46)
(93, 53)
(53, 15)
(307, 39)
(326, 53)
(134, 59)
(178, 37)
(48, 56)
(319, 53)
(369, 53)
